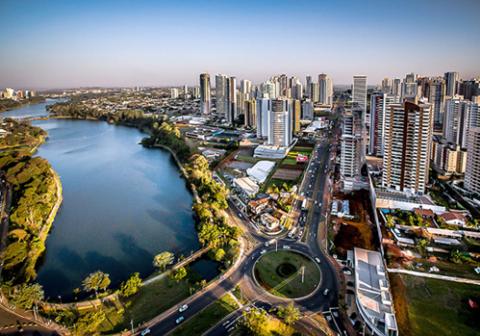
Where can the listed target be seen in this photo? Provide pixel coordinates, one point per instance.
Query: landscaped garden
(280, 273)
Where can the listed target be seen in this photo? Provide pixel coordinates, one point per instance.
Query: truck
(305, 204)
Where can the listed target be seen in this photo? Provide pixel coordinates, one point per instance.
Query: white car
(317, 259)
(263, 252)
(145, 332)
(183, 308)
(286, 247)
(179, 320)
(325, 292)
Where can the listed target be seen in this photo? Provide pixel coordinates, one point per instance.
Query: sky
(62, 44)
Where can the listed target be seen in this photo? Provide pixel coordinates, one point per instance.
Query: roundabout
(287, 274)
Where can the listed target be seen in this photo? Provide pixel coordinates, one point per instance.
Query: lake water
(122, 203)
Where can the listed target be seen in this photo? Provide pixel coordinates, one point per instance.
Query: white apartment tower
(263, 117)
(221, 95)
(352, 151)
(460, 116)
(379, 103)
(325, 86)
(359, 95)
(407, 146)
(472, 172)
(280, 132)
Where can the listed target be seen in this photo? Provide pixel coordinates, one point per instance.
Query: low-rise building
(249, 187)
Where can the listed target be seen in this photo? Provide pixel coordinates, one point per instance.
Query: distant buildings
(436, 97)
(407, 145)
(221, 90)
(174, 93)
(205, 93)
(472, 172)
(460, 115)
(325, 89)
(451, 80)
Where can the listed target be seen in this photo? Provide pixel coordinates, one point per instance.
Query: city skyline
(160, 44)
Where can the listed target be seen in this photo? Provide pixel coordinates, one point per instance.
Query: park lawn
(273, 327)
(431, 307)
(208, 317)
(154, 299)
(291, 286)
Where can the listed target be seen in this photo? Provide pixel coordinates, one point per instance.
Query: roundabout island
(288, 274)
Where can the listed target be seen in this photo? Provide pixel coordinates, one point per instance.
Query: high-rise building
(448, 157)
(470, 89)
(250, 113)
(451, 80)
(205, 93)
(185, 92)
(396, 87)
(221, 90)
(196, 92)
(460, 115)
(307, 110)
(232, 112)
(386, 85)
(314, 92)
(352, 148)
(295, 108)
(408, 137)
(263, 117)
(308, 87)
(280, 132)
(379, 103)
(472, 172)
(325, 85)
(359, 95)
(268, 90)
(173, 93)
(436, 97)
(410, 88)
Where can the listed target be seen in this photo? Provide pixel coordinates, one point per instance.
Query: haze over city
(58, 44)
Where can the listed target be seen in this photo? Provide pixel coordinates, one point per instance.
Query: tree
(456, 257)
(289, 313)
(131, 286)
(255, 322)
(96, 281)
(219, 254)
(179, 274)
(390, 221)
(26, 295)
(163, 259)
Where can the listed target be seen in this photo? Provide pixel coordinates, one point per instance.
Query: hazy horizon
(58, 44)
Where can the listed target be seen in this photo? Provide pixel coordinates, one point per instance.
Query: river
(122, 203)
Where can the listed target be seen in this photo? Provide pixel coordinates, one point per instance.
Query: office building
(205, 93)
(359, 96)
(379, 103)
(451, 80)
(280, 132)
(325, 85)
(232, 112)
(221, 90)
(472, 171)
(407, 145)
(460, 115)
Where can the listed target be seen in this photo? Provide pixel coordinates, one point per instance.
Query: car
(183, 308)
(179, 320)
(317, 259)
(326, 291)
(145, 332)
(286, 247)
(263, 252)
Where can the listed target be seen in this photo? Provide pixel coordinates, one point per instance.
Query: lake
(122, 203)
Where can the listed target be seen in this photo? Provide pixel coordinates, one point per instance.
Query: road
(315, 186)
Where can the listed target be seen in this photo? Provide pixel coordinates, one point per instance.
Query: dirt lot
(359, 231)
(287, 174)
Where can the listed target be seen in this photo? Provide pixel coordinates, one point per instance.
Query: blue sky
(45, 44)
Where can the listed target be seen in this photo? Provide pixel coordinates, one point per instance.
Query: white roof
(259, 172)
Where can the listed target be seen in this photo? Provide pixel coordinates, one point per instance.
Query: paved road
(315, 187)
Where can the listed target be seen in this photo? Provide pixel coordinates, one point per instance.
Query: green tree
(219, 254)
(179, 274)
(26, 295)
(289, 313)
(89, 323)
(96, 281)
(255, 322)
(163, 259)
(131, 286)
(456, 256)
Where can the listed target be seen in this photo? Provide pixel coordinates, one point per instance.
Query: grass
(464, 270)
(207, 317)
(432, 307)
(273, 327)
(154, 299)
(268, 274)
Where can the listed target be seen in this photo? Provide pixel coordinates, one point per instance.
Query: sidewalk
(435, 276)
